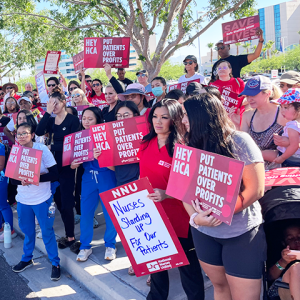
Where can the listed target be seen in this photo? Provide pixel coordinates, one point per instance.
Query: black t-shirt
(127, 173)
(109, 116)
(237, 63)
(126, 82)
(4, 121)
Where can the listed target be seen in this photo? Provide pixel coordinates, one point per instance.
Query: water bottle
(51, 210)
(7, 235)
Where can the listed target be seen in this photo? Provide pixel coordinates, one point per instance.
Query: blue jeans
(5, 208)
(26, 214)
(94, 183)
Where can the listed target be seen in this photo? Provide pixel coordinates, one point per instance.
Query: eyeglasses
(72, 89)
(224, 68)
(124, 116)
(10, 102)
(282, 85)
(188, 63)
(141, 75)
(220, 48)
(49, 85)
(88, 80)
(96, 84)
(76, 95)
(9, 88)
(22, 134)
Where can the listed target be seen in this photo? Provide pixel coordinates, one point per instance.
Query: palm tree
(269, 46)
(264, 52)
(237, 47)
(246, 46)
(210, 46)
(254, 47)
(274, 52)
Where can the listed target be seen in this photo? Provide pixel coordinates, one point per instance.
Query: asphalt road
(12, 285)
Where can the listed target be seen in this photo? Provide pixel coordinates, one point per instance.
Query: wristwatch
(261, 41)
(192, 223)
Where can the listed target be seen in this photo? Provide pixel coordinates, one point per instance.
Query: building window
(132, 65)
(132, 51)
(132, 57)
(277, 26)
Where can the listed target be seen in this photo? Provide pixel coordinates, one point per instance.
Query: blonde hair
(275, 93)
(111, 86)
(82, 94)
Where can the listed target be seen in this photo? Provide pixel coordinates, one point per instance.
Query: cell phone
(295, 252)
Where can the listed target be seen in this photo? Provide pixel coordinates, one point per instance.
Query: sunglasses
(96, 84)
(141, 75)
(188, 63)
(9, 88)
(220, 48)
(73, 88)
(282, 85)
(88, 80)
(76, 95)
(224, 68)
(1, 94)
(49, 85)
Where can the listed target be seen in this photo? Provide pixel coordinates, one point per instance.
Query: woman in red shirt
(155, 163)
(97, 97)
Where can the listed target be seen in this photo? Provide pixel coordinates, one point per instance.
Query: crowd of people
(263, 133)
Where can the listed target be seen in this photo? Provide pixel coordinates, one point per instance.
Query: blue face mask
(157, 91)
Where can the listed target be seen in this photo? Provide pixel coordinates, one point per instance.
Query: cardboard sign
(146, 233)
(100, 51)
(119, 141)
(24, 163)
(78, 146)
(42, 90)
(213, 179)
(232, 102)
(5, 140)
(240, 30)
(283, 176)
(51, 62)
(182, 86)
(274, 74)
(80, 109)
(78, 60)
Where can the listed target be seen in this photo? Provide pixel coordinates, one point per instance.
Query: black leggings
(64, 198)
(191, 276)
(79, 173)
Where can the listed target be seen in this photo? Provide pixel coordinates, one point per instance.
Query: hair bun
(57, 89)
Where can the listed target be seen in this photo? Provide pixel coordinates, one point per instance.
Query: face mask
(157, 91)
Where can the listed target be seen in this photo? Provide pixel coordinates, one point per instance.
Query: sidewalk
(108, 279)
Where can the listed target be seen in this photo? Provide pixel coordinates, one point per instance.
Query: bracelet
(279, 266)
(261, 41)
(192, 223)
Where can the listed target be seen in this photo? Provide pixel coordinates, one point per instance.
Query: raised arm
(252, 56)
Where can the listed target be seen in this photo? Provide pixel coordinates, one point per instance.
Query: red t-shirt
(235, 85)
(156, 164)
(88, 90)
(98, 101)
(17, 97)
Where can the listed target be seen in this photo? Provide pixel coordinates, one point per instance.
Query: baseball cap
(27, 94)
(142, 71)
(24, 98)
(219, 42)
(191, 57)
(290, 96)
(290, 77)
(255, 85)
(193, 88)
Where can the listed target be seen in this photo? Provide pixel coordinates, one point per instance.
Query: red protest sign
(119, 141)
(214, 179)
(5, 140)
(24, 163)
(182, 86)
(78, 146)
(146, 233)
(78, 61)
(283, 176)
(231, 101)
(51, 62)
(113, 51)
(80, 109)
(240, 30)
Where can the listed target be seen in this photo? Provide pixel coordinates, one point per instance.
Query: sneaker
(13, 235)
(77, 219)
(63, 243)
(22, 265)
(96, 224)
(84, 254)
(39, 235)
(55, 274)
(110, 253)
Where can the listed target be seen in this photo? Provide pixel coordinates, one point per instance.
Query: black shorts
(242, 256)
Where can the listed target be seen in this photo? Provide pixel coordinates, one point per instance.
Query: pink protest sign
(78, 61)
(182, 86)
(51, 62)
(231, 101)
(80, 109)
(283, 176)
(213, 179)
(240, 30)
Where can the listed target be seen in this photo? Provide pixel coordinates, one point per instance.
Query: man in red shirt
(10, 90)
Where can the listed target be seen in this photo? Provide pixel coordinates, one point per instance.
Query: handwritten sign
(146, 233)
(214, 179)
(231, 101)
(42, 90)
(24, 163)
(80, 109)
(111, 50)
(119, 141)
(283, 176)
(78, 146)
(78, 61)
(240, 30)
(182, 86)
(51, 62)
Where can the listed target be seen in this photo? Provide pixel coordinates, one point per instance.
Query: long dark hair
(97, 112)
(29, 119)
(5, 108)
(129, 104)
(93, 92)
(177, 130)
(73, 82)
(210, 128)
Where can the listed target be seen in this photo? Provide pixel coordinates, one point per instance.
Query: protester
(159, 88)
(28, 87)
(52, 82)
(95, 180)
(118, 86)
(121, 77)
(194, 89)
(11, 106)
(72, 85)
(239, 61)
(97, 97)
(4, 120)
(57, 128)
(231, 256)
(86, 84)
(288, 80)
(34, 201)
(109, 112)
(191, 68)
(166, 130)
(142, 77)
(1, 95)
(79, 98)
(72, 110)
(10, 90)
(177, 95)
(36, 99)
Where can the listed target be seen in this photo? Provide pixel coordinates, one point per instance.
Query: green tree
(76, 19)
(269, 46)
(237, 47)
(211, 46)
(247, 45)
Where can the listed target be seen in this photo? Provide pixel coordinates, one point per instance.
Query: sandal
(131, 271)
(64, 243)
(148, 282)
(75, 248)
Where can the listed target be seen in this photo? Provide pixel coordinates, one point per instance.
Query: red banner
(119, 141)
(80, 109)
(213, 179)
(146, 233)
(240, 30)
(78, 146)
(51, 62)
(182, 86)
(283, 176)
(113, 51)
(231, 101)
(24, 163)
(78, 61)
